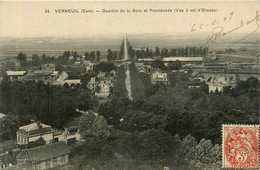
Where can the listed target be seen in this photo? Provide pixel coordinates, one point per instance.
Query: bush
(39, 142)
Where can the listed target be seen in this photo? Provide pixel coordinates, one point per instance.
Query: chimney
(40, 127)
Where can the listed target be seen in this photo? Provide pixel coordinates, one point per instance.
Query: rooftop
(183, 59)
(45, 152)
(15, 73)
(2, 115)
(34, 128)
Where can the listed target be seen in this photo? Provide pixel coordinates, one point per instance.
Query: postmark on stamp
(240, 147)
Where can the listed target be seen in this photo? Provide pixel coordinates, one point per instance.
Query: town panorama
(131, 102)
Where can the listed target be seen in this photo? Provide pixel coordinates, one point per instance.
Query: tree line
(174, 52)
(52, 105)
(190, 118)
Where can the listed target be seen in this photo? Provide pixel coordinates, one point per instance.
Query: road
(127, 79)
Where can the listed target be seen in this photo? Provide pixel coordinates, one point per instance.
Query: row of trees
(175, 52)
(113, 55)
(93, 55)
(184, 52)
(119, 90)
(62, 59)
(137, 86)
(131, 51)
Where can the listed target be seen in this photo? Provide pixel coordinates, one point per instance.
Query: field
(10, 47)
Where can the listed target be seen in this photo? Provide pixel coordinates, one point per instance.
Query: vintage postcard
(129, 85)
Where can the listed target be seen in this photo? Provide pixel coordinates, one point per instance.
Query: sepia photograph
(129, 85)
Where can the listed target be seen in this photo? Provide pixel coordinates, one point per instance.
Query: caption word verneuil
(151, 10)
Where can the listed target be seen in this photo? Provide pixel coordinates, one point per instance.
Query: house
(93, 84)
(71, 58)
(15, 74)
(101, 75)
(113, 73)
(45, 157)
(219, 82)
(89, 65)
(83, 58)
(48, 67)
(196, 76)
(72, 81)
(33, 132)
(2, 115)
(104, 87)
(42, 73)
(158, 77)
(55, 73)
(60, 80)
(197, 60)
(69, 134)
(77, 63)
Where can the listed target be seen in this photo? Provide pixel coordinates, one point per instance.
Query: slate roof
(33, 129)
(45, 152)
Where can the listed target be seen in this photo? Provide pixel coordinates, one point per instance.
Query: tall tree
(87, 55)
(93, 127)
(92, 56)
(36, 60)
(157, 51)
(109, 55)
(98, 55)
(22, 58)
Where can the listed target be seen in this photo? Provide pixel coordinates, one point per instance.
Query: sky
(28, 19)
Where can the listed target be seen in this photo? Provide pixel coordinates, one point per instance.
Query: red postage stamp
(240, 146)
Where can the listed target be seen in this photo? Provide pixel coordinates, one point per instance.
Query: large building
(15, 74)
(184, 59)
(33, 132)
(158, 77)
(44, 157)
(217, 83)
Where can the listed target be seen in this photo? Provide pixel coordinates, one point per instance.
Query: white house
(48, 67)
(33, 132)
(104, 87)
(61, 79)
(158, 77)
(93, 84)
(89, 65)
(72, 81)
(219, 82)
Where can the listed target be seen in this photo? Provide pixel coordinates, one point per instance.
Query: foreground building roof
(44, 152)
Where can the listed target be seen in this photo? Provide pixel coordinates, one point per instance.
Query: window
(48, 163)
(38, 165)
(63, 159)
(54, 162)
